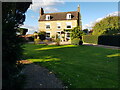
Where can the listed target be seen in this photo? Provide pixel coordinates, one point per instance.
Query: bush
(76, 33)
(90, 39)
(13, 15)
(46, 42)
(53, 38)
(42, 35)
(75, 41)
(36, 41)
(112, 40)
(57, 41)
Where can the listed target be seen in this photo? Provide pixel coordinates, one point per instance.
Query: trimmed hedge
(111, 40)
(90, 39)
(75, 41)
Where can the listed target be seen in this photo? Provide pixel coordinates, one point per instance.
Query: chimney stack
(41, 11)
(78, 8)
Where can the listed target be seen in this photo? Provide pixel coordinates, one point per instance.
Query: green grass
(77, 66)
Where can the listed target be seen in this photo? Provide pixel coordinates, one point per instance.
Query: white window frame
(68, 16)
(47, 17)
(46, 33)
(46, 25)
(58, 24)
(68, 23)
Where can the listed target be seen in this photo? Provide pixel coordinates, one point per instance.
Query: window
(47, 34)
(58, 34)
(58, 25)
(47, 17)
(47, 25)
(68, 16)
(68, 35)
(68, 25)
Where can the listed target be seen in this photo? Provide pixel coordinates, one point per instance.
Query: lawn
(77, 66)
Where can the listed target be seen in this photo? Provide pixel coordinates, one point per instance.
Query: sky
(91, 12)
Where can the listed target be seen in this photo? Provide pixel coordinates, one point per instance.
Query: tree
(107, 26)
(86, 31)
(76, 36)
(13, 15)
(22, 31)
(76, 33)
(42, 35)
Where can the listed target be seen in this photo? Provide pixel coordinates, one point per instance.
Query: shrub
(42, 35)
(57, 41)
(76, 33)
(36, 41)
(53, 38)
(112, 40)
(46, 42)
(90, 39)
(75, 41)
(13, 15)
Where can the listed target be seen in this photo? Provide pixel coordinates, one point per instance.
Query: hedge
(90, 39)
(111, 40)
(76, 41)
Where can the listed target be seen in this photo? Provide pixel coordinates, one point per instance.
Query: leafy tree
(13, 15)
(76, 33)
(42, 35)
(86, 31)
(22, 31)
(107, 26)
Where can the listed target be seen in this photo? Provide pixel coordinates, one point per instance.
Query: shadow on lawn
(88, 62)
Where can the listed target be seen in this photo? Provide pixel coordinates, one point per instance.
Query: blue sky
(91, 12)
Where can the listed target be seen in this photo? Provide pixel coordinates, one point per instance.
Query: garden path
(40, 77)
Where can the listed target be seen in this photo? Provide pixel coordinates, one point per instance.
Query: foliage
(76, 33)
(36, 41)
(85, 31)
(57, 41)
(13, 15)
(90, 39)
(75, 41)
(77, 66)
(112, 40)
(53, 37)
(46, 42)
(22, 31)
(107, 26)
(42, 35)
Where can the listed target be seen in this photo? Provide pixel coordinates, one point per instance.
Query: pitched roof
(59, 16)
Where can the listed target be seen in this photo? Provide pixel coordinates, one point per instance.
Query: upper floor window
(68, 25)
(47, 25)
(68, 16)
(58, 25)
(47, 17)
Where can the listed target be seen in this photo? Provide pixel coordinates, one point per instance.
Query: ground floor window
(58, 34)
(68, 35)
(47, 35)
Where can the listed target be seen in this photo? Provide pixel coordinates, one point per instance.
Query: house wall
(53, 26)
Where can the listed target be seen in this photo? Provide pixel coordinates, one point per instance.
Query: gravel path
(39, 77)
(104, 46)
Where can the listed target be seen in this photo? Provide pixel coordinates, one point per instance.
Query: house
(59, 24)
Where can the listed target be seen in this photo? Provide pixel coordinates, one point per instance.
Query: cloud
(31, 29)
(51, 9)
(47, 4)
(114, 14)
(91, 24)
